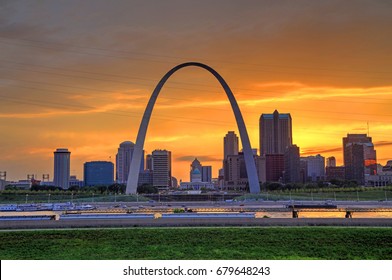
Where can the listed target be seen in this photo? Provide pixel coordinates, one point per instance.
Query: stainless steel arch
(138, 148)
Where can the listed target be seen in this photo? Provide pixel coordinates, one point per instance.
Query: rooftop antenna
(368, 129)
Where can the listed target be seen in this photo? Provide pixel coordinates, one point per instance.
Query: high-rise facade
(161, 165)
(292, 165)
(230, 145)
(359, 157)
(354, 162)
(149, 162)
(62, 162)
(275, 133)
(274, 165)
(98, 173)
(315, 168)
(206, 173)
(331, 162)
(123, 161)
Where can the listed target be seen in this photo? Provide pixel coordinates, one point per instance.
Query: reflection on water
(273, 215)
(326, 214)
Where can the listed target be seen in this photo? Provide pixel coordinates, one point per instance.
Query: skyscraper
(292, 165)
(359, 157)
(149, 162)
(275, 133)
(161, 165)
(274, 166)
(98, 173)
(331, 162)
(62, 158)
(123, 161)
(230, 144)
(354, 162)
(315, 168)
(206, 173)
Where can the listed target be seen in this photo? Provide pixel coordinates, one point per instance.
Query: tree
(147, 189)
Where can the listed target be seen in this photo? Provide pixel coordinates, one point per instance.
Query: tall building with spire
(275, 133)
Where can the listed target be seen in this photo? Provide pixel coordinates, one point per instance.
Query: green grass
(199, 243)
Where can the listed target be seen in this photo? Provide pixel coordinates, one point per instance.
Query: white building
(378, 180)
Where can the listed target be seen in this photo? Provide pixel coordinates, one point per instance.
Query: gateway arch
(133, 176)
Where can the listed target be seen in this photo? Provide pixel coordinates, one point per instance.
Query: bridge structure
(344, 212)
(133, 176)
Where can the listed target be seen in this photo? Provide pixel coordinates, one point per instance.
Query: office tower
(261, 168)
(303, 170)
(98, 173)
(335, 173)
(331, 162)
(275, 133)
(316, 168)
(230, 144)
(359, 157)
(145, 178)
(292, 166)
(354, 162)
(206, 173)
(235, 172)
(123, 161)
(62, 159)
(161, 165)
(149, 162)
(274, 165)
(235, 175)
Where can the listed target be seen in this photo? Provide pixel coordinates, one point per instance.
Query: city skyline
(81, 79)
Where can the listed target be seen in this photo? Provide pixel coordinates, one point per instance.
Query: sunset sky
(78, 75)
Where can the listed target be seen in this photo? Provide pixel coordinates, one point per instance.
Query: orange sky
(79, 76)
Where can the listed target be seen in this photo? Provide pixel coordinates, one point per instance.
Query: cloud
(190, 158)
(315, 151)
(168, 139)
(382, 143)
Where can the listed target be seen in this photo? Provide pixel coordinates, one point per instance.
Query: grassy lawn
(199, 243)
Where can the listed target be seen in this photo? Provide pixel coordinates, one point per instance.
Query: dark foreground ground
(178, 222)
